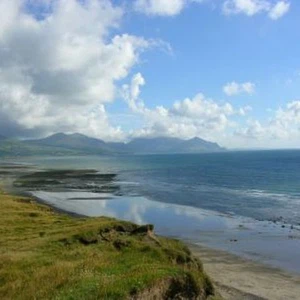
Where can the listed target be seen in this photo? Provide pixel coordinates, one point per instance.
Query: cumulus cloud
(131, 93)
(162, 7)
(197, 116)
(233, 88)
(253, 7)
(284, 125)
(247, 7)
(279, 10)
(229, 7)
(159, 7)
(58, 71)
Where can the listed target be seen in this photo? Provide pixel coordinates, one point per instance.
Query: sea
(243, 202)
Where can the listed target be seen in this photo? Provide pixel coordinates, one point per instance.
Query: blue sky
(210, 50)
(223, 70)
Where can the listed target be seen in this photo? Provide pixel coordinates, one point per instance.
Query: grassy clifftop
(45, 255)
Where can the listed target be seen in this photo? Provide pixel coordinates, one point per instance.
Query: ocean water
(264, 185)
(247, 203)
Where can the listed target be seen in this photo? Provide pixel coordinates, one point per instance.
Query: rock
(144, 229)
(119, 244)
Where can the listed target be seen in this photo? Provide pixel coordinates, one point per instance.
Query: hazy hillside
(199, 145)
(74, 141)
(171, 145)
(79, 144)
(10, 147)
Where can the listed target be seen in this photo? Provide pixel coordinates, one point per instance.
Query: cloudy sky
(224, 70)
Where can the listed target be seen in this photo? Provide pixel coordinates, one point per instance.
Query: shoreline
(246, 279)
(262, 242)
(95, 258)
(14, 192)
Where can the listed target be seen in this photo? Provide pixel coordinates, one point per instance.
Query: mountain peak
(77, 135)
(167, 145)
(156, 145)
(196, 138)
(56, 135)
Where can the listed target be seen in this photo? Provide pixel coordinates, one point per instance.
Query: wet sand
(238, 279)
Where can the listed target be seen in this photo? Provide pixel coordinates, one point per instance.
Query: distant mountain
(74, 141)
(196, 145)
(79, 144)
(2, 137)
(118, 147)
(172, 145)
(12, 147)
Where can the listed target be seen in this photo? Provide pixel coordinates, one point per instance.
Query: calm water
(227, 201)
(263, 185)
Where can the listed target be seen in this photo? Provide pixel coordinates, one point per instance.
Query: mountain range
(76, 144)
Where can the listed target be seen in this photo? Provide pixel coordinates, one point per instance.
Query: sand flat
(237, 278)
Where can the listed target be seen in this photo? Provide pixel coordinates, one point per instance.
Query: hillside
(79, 144)
(74, 141)
(172, 145)
(10, 147)
(45, 255)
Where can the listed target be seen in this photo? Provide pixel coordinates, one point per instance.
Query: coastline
(45, 254)
(237, 278)
(244, 279)
(264, 242)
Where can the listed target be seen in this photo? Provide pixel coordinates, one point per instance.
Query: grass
(13, 148)
(46, 255)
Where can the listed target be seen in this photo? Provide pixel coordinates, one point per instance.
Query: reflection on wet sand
(264, 241)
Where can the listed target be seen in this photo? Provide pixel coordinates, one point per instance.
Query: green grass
(46, 255)
(13, 148)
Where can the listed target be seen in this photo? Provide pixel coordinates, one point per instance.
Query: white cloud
(162, 7)
(200, 107)
(247, 7)
(279, 10)
(281, 130)
(253, 7)
(197, 116)
(131, 93)
(229, 7)
(58, 71)
(233, 88)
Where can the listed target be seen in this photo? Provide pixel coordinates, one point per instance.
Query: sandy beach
(237, 278)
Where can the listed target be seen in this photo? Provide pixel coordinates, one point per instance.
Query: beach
(237, 278)
(246, 259)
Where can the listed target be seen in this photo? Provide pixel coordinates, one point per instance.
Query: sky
(226, 71)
